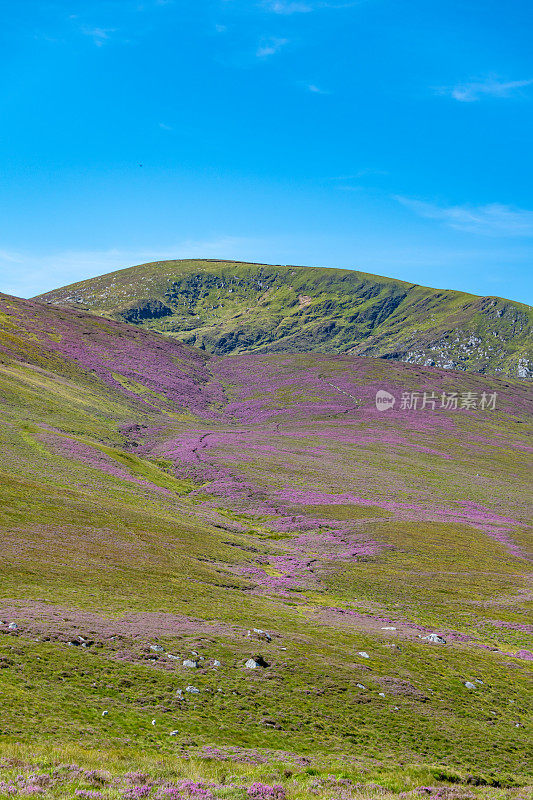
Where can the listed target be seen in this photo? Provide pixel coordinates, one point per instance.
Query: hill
(225, 307)
(161, 506)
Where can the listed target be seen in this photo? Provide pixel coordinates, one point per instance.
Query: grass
(258, 496)
(236, 307)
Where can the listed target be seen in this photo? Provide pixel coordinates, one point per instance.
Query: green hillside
(162, 504)
(225, 307)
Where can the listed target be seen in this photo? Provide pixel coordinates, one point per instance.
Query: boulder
(255, 662)
(434, 638)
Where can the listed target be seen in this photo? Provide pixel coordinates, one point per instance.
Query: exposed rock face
(144, 310)
(227, 307)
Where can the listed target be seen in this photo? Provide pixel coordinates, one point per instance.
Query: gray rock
(256, 661)
(360, 686)
(190, 664)
(173, 733)
(216, 663)
(13, 626)
(434, 638)
(105, 713)
(157, 648)
(363, 654)
(192, 690)
(173, 658)
(179, 694)
(258, 633)
(470, 685)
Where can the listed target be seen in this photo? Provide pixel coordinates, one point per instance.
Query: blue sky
(391, 137)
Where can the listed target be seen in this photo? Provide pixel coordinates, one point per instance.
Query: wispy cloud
(314, 89)
(165, 127)
(99, 35)
(493, 219)
(471, 91)
(37, 273)
(287, 7)
(271, 46)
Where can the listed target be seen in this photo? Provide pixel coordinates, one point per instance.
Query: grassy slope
(152, 495)
(234, 307)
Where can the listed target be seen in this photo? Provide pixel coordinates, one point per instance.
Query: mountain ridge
(227, 306)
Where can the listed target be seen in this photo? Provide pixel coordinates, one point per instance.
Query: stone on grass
(13, 626)
(434, 638)
(190, 664)
(389, 628)
(172, 657)
(470, 685)
(105, 713)
(360, 686)
(192, 690)
(157, 648)
(363, 654)
(216, 663)
(255, 662)
(258, 633)
(173, 733)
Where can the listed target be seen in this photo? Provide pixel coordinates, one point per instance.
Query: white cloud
(312, 87)
(287, 7)
(284, 7)
(270, 47)
(493, 219)
(471, 91)
(98, 35)
(25, 274)
(165, 127)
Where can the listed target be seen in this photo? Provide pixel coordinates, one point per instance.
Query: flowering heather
(157, 504)
(261, 791)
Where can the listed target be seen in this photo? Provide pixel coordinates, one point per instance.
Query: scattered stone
(389, 628)
(157, 648)
(192, 690)
(13, 626)
(216, 663)
(190, 664)
(470, 685)
(360, 686)
(255, 662)
(363, 654)
(258, 633)
(478, 681)
(173, 733)
(172, 657)
(105, 713)
(434, 638)
(153, 722)
(179, 694)
(381, 694)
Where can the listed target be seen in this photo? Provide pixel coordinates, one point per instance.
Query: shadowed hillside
(162, 504)
(225, 307)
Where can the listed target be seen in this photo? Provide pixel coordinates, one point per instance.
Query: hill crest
(225, 306)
